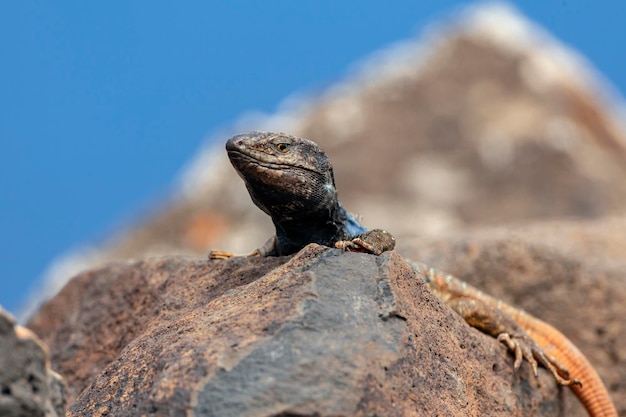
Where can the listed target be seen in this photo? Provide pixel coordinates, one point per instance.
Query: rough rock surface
(28, 387)
(324, 333)
(570, 274)
(440, 141)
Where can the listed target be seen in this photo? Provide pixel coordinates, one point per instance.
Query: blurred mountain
(484, 121)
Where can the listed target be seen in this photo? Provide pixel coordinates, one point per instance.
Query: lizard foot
(220, 254)
(375, 242)
(523, 347)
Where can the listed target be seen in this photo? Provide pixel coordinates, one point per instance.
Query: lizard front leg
(220, 254)
(375, 241)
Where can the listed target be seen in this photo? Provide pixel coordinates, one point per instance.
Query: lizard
(291, 179)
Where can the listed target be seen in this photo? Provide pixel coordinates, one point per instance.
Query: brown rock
(570, 274)
(324, 333)
(28, 387)
(465, 128)
(460, 131)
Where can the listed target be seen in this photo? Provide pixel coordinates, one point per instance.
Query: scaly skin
(291, 179)
(592, 393)
(561, 354)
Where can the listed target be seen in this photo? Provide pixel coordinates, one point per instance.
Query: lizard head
(285, 175)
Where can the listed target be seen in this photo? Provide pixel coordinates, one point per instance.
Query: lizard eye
(282, 147)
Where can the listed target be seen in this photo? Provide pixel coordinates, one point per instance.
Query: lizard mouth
(240, 159)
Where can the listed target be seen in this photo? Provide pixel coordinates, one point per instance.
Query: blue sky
(101, 104)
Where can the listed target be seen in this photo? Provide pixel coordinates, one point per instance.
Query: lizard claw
(354, 245)
(523, 347)
(220, 254)
(375, 242)
(520, 350)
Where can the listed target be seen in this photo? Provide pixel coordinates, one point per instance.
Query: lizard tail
(593, 394)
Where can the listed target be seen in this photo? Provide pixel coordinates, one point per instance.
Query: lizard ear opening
(331, 175)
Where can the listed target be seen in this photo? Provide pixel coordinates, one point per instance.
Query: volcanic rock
(571, 274)
(28, 387)
(323, 333)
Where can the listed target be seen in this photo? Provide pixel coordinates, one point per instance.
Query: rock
(323, 333)
(483, 129)
(570, 274)
(28, 387)
(467, 129)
